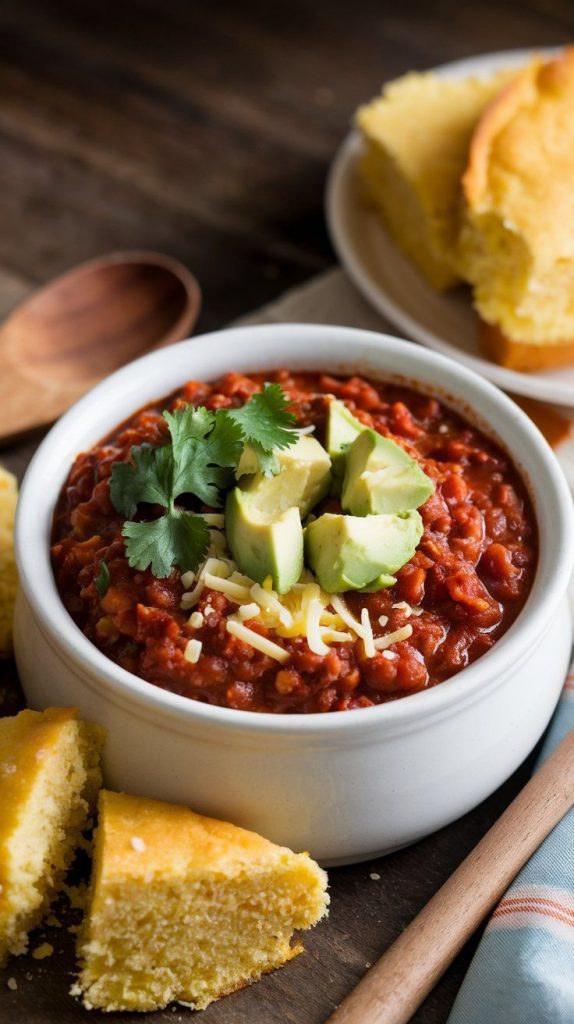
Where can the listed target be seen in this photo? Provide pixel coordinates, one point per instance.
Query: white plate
(392, 284)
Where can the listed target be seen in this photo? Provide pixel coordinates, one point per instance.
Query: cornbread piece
(8, 577)
(417, 135)
(517, 243)
(49, 778)
(187, 908)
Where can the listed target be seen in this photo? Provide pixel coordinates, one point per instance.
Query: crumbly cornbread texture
(186, 908)
(49, 778)
(417, 135)
(517, 244)
(8, 576)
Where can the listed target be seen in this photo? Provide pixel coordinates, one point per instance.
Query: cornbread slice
(417, 135)
(187, 908)
(49, 777)
(8, 576)
(517, 243)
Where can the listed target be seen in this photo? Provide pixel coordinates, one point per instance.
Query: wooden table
(205, 129)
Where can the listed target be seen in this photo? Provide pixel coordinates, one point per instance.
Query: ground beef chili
(470, 575)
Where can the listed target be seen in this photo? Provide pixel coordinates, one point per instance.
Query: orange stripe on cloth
(534, 903)
(536, 912)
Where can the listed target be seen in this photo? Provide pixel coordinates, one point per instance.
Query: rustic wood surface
(205, 129)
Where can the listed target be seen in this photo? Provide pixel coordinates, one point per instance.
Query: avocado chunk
(264, 542)
(381, 478)
(304, 477)
(342, 429)
(355, 552)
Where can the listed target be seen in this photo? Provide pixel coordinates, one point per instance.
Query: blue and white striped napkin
(523, 969)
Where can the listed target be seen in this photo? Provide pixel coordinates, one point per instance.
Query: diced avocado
(381, 478)
(248, 463)
(264, 542)
(303, 479)
(342, 429)
(354, 552)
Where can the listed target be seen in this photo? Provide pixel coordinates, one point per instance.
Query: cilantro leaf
(206, 449)
(188, 424)
(265, 420)
(146, 478)
(102, 580)
(176, 538)
(203, 452)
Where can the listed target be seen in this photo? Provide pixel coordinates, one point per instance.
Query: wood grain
(205, 130)
(84, 325)
(396, 986)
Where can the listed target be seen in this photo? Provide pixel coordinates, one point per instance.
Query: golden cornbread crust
(186, 908)
(8, 575)
(416, 136)
(49, 776)
(516, 244)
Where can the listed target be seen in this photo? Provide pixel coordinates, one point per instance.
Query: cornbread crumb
(12, 984)
(43, 810)
(374, 876)
(204, 909)
(44, 950)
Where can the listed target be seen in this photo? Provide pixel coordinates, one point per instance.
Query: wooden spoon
(399, 982)
(83, 325)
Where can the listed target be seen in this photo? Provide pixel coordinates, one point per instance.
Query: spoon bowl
(84, 325)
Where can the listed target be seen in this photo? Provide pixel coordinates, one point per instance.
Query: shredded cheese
(248, 611)
(368, 641)
(232, 590)
(190, 599)
(335, 636)
(403, 633)
(260, 643)
(187, 580)
(383, 619)
(192, 651)
(314, 639)
(404, 607)
(339, 605)
(196, 620)
(390, 655)
(216, 567)
(269, 601)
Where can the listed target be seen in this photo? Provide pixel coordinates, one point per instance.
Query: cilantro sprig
(200, 460)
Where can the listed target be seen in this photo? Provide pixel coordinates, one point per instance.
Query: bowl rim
(557, 545)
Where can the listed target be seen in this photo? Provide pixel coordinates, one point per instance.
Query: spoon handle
(402, 978)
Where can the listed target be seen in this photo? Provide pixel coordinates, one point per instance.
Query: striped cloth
(523, 969)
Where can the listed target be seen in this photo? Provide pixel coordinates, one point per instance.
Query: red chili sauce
(471, 573)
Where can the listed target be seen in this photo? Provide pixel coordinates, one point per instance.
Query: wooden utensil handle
(402, 978)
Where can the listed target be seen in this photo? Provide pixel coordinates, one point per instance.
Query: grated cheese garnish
(196, 620)
(348, 618)
(248, 611)
(382, 642)
(314, 610)
(260, 643)
(192, 651)
(368, 641)
(224, 586)
(404, 607)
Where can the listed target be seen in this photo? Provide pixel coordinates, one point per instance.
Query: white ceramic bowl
(347, 785)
